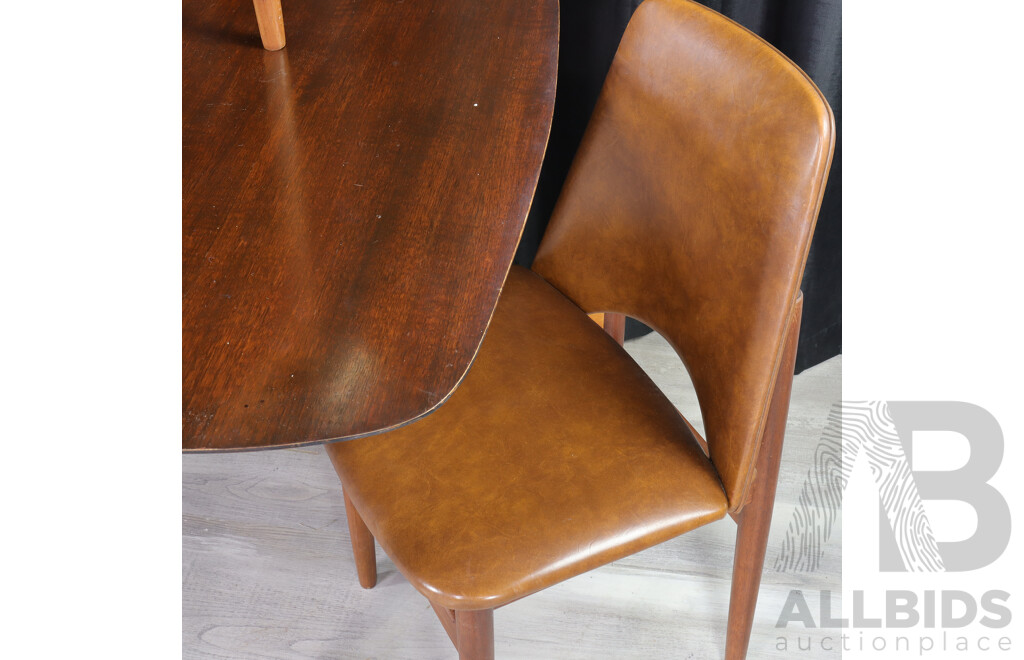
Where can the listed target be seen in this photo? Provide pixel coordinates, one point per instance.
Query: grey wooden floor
(267, 570)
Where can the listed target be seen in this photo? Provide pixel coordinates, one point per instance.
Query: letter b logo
(967, 484)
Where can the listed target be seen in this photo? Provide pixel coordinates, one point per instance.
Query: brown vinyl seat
(690, 206)
(550, 459)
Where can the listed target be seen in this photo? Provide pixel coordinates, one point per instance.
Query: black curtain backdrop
(808, 31)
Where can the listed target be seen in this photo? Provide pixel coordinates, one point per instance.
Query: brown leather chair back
(691, 204)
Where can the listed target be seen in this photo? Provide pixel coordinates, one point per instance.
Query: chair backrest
(691, 204)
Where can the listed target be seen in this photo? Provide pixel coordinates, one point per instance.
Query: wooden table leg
(271, 22)
(755, 518)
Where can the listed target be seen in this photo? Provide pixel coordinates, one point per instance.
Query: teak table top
(351, 205)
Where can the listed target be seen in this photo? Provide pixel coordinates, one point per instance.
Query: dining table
(351, 205)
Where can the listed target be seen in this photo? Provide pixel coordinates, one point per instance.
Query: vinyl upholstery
(691, 205)
(557, 454)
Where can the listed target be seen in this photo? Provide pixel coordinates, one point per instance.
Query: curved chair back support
(691, 205)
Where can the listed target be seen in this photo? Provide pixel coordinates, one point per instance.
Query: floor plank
(267, 570)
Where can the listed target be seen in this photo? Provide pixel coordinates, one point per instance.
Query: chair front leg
(474, 634)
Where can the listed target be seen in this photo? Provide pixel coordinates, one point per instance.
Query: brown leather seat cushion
(557, 454)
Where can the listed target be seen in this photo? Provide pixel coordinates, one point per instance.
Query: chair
(690, 206)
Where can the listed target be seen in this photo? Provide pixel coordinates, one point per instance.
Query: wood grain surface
(351, 205)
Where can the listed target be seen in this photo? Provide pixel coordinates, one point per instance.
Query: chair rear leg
(474, 634)
(753, 524)
(615, 325)
(362, 545)
(755, 518)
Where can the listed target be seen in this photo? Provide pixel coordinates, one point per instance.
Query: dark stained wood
(351, 205)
